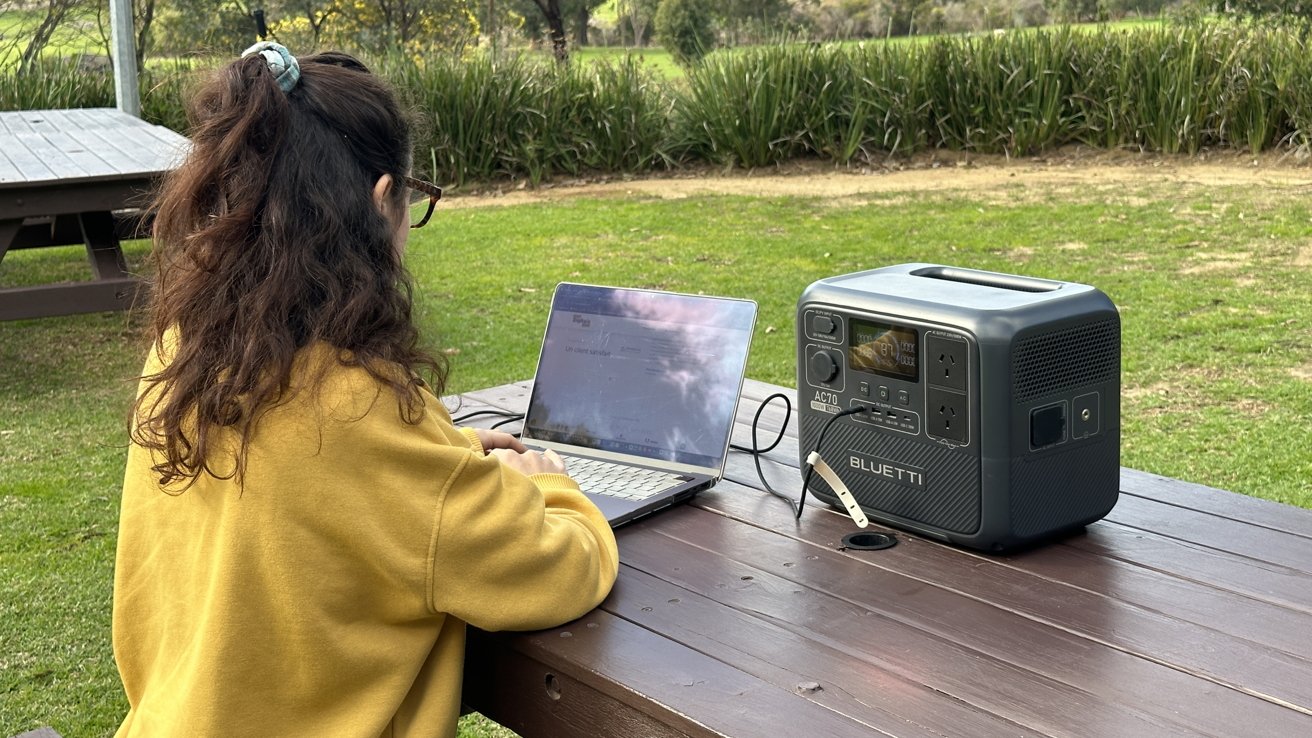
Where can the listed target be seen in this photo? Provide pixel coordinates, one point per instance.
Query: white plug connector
(826, 473)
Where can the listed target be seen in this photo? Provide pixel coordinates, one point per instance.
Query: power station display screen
(883, 348)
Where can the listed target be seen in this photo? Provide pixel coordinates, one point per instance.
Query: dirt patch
(1204, 263)
(1098, 173)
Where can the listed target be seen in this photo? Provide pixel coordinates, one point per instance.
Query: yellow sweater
(329, 595)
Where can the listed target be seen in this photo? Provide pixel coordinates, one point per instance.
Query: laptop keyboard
(619, 480)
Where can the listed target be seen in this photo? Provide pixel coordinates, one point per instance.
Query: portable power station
(991, 401)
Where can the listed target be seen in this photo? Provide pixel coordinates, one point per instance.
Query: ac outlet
(947, 415)
(946, 361)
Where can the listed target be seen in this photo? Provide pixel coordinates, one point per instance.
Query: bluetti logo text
(903, 474)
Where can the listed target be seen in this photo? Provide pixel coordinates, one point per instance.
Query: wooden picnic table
(1187, 611)
(77, 176)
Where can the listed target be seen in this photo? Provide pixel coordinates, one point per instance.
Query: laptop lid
(641, 376)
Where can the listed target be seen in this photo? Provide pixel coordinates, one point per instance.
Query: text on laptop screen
(646, 373)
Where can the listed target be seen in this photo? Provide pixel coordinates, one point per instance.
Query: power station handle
(988, 279)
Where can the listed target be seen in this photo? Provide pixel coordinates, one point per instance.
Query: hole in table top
(869, 541)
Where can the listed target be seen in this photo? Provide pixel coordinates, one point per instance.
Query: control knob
(823, 366)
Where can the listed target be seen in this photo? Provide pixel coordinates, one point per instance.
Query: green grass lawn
(1212, 283)
(77, 35)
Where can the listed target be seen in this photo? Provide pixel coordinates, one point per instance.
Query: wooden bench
(1187, 611)
(78, 177)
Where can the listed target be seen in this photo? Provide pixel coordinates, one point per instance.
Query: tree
(549, 16)
(684, 28)
(379, 26)
(204, 26)
(556, 26)
(1076, 11)
(1300, 10)
(316, 15)
(581, 11)
(752, 18)
(639, 15)
(411, 25)
(55, 13)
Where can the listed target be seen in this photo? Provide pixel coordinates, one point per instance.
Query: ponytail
(268, 240)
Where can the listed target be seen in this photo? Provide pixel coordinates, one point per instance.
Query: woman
(304, 534)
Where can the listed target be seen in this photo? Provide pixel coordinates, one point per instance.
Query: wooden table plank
(16, 122)
(146, 149)
(52, 156)
(885, 700)
(29, 165)
(611, 657)
(1216, 532)
(1121, 536)
(1140, 626)
(1201, 605)
(122, 145)
(116, 161)
(165, 138)
(76, 166)
(71, 298)
(40, 122)
(1268, 538)
(83, 156)
(1047, 679)
(1014, 634)
(1217, 502)
(511, 397)
(1254, 579)
(9, 171)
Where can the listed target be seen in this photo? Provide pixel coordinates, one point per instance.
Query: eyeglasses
(419, 192)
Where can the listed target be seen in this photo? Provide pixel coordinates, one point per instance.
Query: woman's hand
(492, 440)
(531, 462)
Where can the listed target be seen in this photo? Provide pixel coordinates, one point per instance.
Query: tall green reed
(1002, 94)
(487, 117)
(894, 98)
(61, 82)
(56, 83)
(748, 107)
(484, 117)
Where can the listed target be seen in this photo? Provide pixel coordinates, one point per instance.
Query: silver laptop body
(646, 379)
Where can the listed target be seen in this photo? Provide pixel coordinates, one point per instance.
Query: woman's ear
(381, 189)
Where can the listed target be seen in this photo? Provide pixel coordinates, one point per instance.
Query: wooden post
(127, 91)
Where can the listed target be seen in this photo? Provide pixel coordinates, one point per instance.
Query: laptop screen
(652, 374)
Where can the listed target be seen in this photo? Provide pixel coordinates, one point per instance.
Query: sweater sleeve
(490, 545)
(512, 552)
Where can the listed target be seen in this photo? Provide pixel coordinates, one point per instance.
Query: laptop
(638, 390)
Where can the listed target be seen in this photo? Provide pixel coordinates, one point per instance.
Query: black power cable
(480, 413)
(756, 450)
(810, 469)
(508, 416)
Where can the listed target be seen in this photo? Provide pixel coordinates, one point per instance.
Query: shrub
(486, 118)
(684, 28)
(1168, 89)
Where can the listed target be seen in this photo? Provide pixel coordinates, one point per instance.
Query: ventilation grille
(1055, 362)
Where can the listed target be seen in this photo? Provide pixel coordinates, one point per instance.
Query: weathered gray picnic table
(77, 176)
(1186, 612)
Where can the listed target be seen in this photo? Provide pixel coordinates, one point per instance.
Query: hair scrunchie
(286, 70)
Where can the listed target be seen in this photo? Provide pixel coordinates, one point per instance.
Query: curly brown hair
(267, 240)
